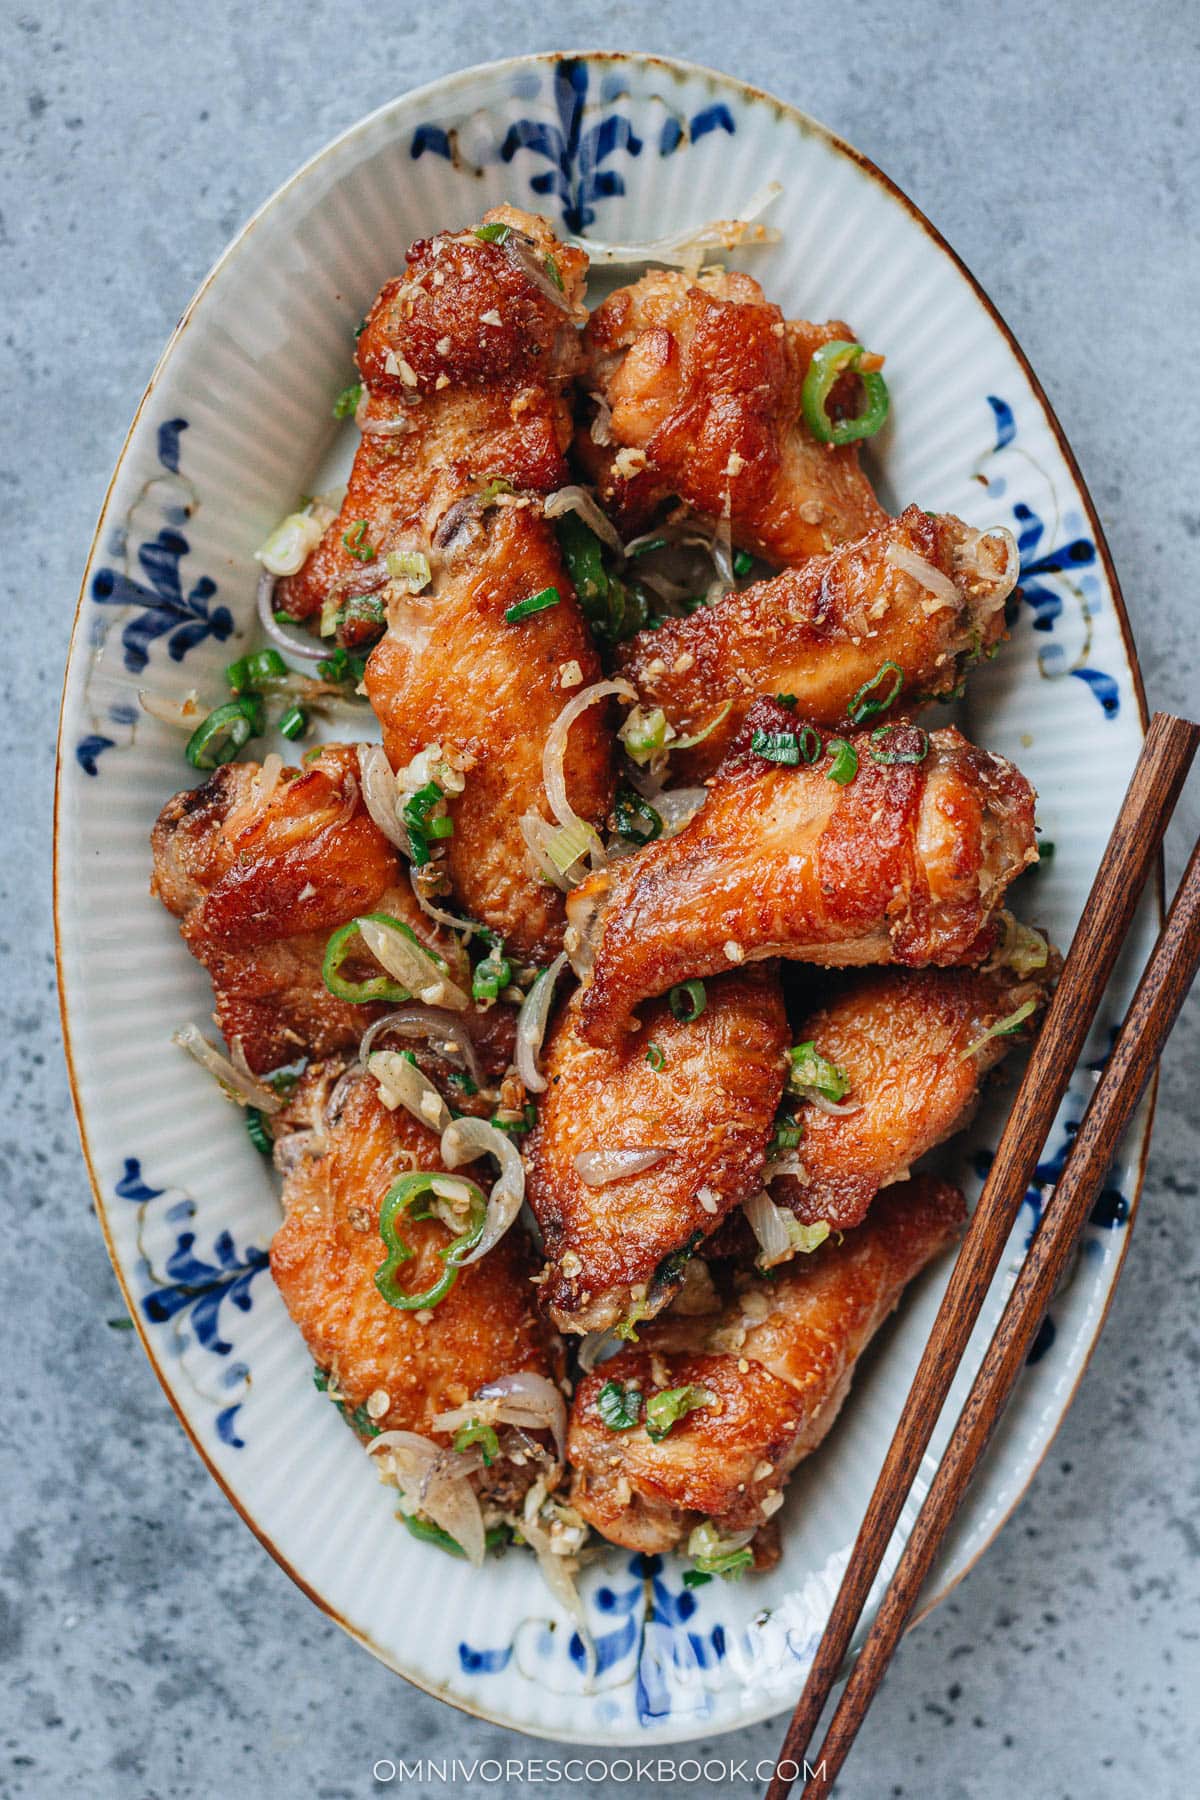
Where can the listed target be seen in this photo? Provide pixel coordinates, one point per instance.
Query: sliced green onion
(788, 700)
(492, 490)
(553, 271)
(256, 1131)
(698, 737)
(655, 1057)
(1002, 1028)
(665, 1409)
(787, 1134)
(583, 554)
(294, 723)
(830, 361)
(236, 674)
(536, 603)
(619, 1406)
(845, 761)
(423, 825)
(635, 819)
(688, 1000)
(342, 665)
(776, 746)
(476, 1432)
(347, 401)
(493, 234)
(644, 549)
(743, 562)
(492, 975)
(867, 702)
(884, 736)
(808, 742)
(526, 1121)
(378, 987)
(810, 1072)
(713, 1555)
(409, 1196)
(565, 846)
(694, 1578)
(1045, 849)
(355, 541)
(226, 731)
(426, 1532)
(408, 565)
(644, 733)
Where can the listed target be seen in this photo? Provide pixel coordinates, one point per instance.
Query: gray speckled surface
(150, 1647)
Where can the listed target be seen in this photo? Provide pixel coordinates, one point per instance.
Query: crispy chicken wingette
(700, 1095)
(745, 1393)
(913, 1047)
(465, 362)
(453, 670)
(903, 860)
(261, 865)
(900, 614)
(391, 1369)
(701, 383)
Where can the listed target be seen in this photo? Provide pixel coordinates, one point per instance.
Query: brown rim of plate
(438, 90)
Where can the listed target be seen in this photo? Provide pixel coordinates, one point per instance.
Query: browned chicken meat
(453, 671)
(911, 1048)
(261, 864)
(465, 361)
(700, 383)
(391, 1369)
(898, 615)
(903, 861)
(744, 1393)
(641, 1151)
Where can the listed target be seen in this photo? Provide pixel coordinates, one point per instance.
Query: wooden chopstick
(1161, 992)
(1131, 852)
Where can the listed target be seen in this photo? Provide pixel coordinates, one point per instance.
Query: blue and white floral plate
(234, 426)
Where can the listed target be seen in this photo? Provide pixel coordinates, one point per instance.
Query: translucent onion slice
(379, 794)
(924, 573)
(837, 1109)
(686, 249)
(237, 1084)
(598, 1167)
(531, 1401)
(531, 1025)
(414, 966)
(185, 714)
(445, 1032)
(557, 850)
(967, 557)
(780, 1234)
(402, 1083)
(676, 807)
(597, 1347)
(295, 643)
(578, 500)
(430, 1485)
(463, 1140)
(528, 258)
(553, 773)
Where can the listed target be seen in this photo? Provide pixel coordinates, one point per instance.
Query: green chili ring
(377, 987)
(830, 361)
(407, 1196)
(226, 731)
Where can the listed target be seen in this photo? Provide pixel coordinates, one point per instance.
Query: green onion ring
(226, 731)
(688, 1000)
(865, 704)
(918, 753)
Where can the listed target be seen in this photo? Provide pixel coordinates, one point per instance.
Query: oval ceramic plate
(235, 424)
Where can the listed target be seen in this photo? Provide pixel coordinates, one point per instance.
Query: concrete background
(151, 1648)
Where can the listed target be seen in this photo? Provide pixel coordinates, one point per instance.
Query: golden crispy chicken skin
(325, 1255)
(260, 874)
(705, 1091)
(902, 1037)
(777, 1360)
(465, 361)
(906, 862)
(703, 381)
(452, 670)
(824, 629)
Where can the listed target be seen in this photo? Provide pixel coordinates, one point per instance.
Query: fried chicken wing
(452, 670)
(777, 1362)
(702, 384)
(465, 362)
(705, 1092)
(923, 593)
(261, 867)
(398, 1370)
(906, 862)
(903, 1038)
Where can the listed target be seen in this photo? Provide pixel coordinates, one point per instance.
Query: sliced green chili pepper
(377, 987)
(426, 1532)
(830, 361)
(408, 1195)
(845, 761)
(536, 603)
(225, 732)
(476, 1432)
(866, 703)
(914, 748)
(635, 819)
(688, 1000)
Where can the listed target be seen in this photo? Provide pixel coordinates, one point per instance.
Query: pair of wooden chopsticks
(1135, 843)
